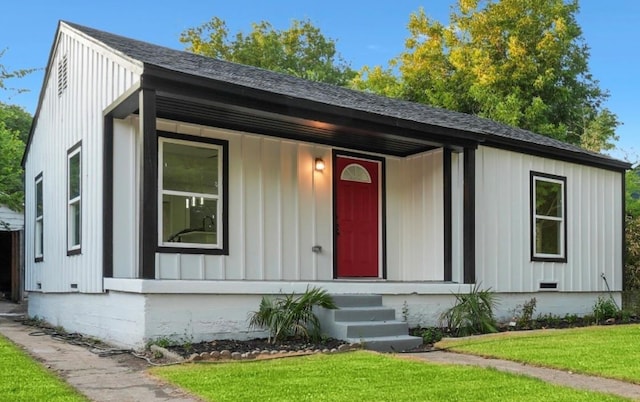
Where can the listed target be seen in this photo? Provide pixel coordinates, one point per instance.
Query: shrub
(291, 316)
(472, 313)
(524, 313)
(430, 335)
(604, 308)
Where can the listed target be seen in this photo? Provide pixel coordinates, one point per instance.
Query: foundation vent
(548, 285)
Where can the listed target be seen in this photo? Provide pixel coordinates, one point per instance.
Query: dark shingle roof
(277, 83)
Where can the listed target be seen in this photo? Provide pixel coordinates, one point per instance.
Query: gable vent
(62, 75)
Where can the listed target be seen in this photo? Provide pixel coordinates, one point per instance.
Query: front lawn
(607, 351)
(360, 376)
(23, 379)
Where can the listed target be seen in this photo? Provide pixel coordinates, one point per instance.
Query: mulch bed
(292, 345)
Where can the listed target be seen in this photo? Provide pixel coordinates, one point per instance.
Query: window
(74, 200)
(191, 202)
(39, 224)
(548, 218)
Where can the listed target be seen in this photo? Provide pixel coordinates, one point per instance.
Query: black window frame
(550, 178)
(71, 152)
(38, 254)
(223, 249)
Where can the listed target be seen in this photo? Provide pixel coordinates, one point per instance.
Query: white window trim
(218, 197)
(75, 150)
(39, 221)
(539, 177)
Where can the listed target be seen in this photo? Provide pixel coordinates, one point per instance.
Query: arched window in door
(355, 172)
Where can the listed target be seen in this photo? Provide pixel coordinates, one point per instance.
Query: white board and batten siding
(279, 208)
(95, 77)
(503, 228)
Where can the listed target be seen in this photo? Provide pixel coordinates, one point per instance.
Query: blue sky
(367, 33)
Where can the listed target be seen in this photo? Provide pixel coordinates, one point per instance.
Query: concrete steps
(363, 319)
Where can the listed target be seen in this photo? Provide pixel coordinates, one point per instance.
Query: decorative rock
(255, 352)
(282, 352)
(204, 355)
(236, 355)
(317, 351)
(325, 350)
(215, 354)
(244, 355)
(355, 345)
(265, 352)
(344, 347)
(334, 350)
(610, 321)
(274, 352)
(225, 354)
(195, 357)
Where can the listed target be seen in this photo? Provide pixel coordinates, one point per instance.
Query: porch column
(448, 217)
(107, 196)
(469, 215)
(149, 206)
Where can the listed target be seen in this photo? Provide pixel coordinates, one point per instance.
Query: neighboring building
(167, 192)
(11, 264)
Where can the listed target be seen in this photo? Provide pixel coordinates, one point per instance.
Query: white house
(167, 192)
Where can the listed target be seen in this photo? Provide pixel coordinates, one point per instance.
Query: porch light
(319, 164)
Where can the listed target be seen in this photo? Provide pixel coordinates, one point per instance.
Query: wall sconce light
(319, 164)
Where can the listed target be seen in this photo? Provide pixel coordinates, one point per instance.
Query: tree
(17, 119)
(6, 74)
(11, 185)
(15, 124)
(301, 50)
(520, 62)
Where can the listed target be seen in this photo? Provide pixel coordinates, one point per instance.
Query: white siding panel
(125, 200)
(290, 245)
(62, 121)
(503, 229)
(415, 214)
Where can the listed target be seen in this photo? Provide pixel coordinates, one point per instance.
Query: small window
(191, 194)
(548, 218)
(74, 200)
(39, 221)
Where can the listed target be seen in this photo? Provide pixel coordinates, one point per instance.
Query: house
(11, 264)
(167, 192)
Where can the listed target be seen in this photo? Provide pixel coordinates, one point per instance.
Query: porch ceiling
(342, 132)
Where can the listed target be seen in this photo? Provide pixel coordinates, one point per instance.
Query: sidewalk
(559, 377)
(98, 378)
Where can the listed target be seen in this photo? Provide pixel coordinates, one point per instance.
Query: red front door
(357, 214)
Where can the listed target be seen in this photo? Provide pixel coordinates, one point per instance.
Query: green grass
(360, 376)
(23, 379)
(607, 351)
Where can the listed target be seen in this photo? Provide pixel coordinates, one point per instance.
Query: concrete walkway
(99, 378)
(124, 379)
(559, 377)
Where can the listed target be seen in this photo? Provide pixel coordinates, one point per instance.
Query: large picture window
(74, 200)
(39, 222)
(548, 218)
(190, 177)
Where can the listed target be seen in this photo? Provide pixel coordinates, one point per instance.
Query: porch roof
(204, 90)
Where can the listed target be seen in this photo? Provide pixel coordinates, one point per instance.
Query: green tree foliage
(11, 185)
(520, 62)
(17, 119)
(15, 124)
(302, 50)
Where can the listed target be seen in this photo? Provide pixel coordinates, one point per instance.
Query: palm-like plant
(291, 315)
(472, 313)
